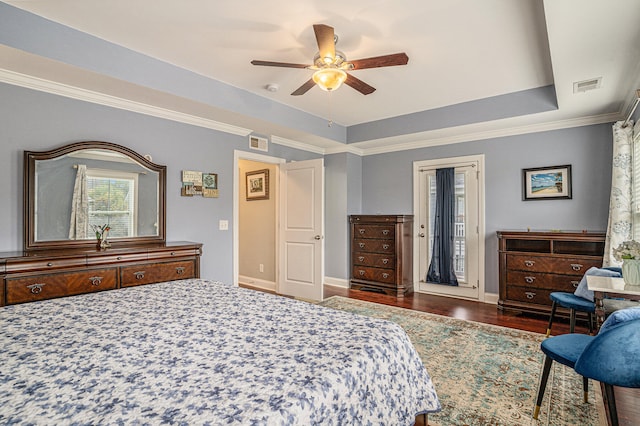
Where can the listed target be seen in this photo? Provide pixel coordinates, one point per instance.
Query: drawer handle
(361, 258)
(385, 246)
(361, 231)
(361, 245)
(119, 258)
(36, 288)
(95, 281)
(139, 275)
(385, 232)
(385, 261)
(385, 275)
(180, 270)
(49, 264)
(529, 280)
(530, 294)
(173, 253)
(576, 266)
(529, 263)
(575, 284)
(361, 272)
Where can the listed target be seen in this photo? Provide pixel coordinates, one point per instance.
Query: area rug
(486, 374)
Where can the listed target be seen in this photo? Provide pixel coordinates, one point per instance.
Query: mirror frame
(30, 158)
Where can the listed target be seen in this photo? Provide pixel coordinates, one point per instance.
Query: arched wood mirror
(70, 190)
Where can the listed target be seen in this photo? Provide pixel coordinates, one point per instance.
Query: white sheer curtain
(79, 226)
(619, 228)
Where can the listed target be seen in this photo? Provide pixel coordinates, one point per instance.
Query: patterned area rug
(485, 374)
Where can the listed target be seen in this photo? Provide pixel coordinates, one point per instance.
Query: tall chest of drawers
(534, 264)
(382, 253)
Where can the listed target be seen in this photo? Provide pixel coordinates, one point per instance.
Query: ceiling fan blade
(326, 41)
(304, 88)
(359, 85)
(380, 61)
(278, 64)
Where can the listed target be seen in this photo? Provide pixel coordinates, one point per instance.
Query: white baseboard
(491, 298)
(257, 282)
(336, 282)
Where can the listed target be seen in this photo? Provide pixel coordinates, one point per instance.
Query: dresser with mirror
(77, 193)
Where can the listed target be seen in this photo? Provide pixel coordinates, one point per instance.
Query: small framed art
(543, 183)
(258, 185)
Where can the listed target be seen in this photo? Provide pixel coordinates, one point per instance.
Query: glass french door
(466, 229)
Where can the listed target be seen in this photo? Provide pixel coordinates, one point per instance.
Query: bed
(202, 352)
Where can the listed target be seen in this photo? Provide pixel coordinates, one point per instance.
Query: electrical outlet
(261, 267)
(223, 225)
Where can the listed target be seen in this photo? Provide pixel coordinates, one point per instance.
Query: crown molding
(56, 88)
(297, 145)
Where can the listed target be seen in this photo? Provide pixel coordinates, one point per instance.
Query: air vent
(259, 144)
(585, 85)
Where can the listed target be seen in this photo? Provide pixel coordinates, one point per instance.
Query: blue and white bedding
(202, 352)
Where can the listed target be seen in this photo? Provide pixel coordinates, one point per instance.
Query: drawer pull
(529, 280)
(529, 263)
(385, 246)
(575, 284)
(385, 232)
(361, 273)
(385, 261)
(180, 270)
(173, 253)
(361, 231)
(96, 281)
(36, 288)
(576, 266)
(49, 264)
(361, 258)
(119, 258)
(361, 245)
(530, 294)
(385, 275)
(139, 275)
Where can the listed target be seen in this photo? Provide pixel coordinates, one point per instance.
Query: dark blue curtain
(441, 267)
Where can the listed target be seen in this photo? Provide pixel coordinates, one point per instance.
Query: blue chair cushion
(613, 357)
(618, 317)
(583, 291)
(571, 301)
(565, 348)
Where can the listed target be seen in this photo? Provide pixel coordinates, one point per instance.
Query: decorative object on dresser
(65, 213)
(535, 264)
(381, 253)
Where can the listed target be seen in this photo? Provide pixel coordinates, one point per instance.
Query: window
(112, 201)
(635, 182)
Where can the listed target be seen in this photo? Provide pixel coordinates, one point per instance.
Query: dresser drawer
(556, 265)
(47, 286)
(373, 259)
(538, 296)
(35, 263)
(543, 280)
(156, 272)
(374, 274)
(385, 232)
(374, 246)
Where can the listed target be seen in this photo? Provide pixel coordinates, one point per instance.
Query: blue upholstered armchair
(612, 357)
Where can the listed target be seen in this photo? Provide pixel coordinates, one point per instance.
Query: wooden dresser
(534, 264)
(382, 253)
(45, 274)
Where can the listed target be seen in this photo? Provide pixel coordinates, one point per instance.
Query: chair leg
(591, 319)
(543, 385)
(554, 305)
(572, 321)
(611, 404)
(585, 389)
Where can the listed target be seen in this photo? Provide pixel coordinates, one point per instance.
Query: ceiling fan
(331, 65)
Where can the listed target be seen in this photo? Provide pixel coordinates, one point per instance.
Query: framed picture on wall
(258, 185)
(543, 183)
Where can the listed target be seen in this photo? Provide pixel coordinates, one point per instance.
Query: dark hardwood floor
(628, 400)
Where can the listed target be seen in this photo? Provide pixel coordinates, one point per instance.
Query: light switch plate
(223, 225)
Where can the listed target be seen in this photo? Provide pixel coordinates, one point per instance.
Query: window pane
(111, 202)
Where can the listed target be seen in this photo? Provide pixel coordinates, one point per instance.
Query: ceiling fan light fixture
(329, 79)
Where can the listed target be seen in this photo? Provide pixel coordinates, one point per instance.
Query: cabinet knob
(529, 280)
(575, 284)
(361, 231)
(385, 275)
(49, 264)
(361, 258)
(529, 263)
(576, 266)
(361, 245)
(36, 288)
(385, 232)
(385, 246)
(385, 261)
(96, 281)
(139, 275)
(180, 270)
(361, 272)
(530, 294)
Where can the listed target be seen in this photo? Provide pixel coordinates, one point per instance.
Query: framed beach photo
(258, 185)
(543, 183)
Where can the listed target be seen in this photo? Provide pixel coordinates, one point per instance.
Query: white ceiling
(459, 50)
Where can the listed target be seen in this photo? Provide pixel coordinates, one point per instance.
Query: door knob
(317, 237)
(421, 235)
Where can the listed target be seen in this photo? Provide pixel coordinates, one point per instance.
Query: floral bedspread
(202, 352)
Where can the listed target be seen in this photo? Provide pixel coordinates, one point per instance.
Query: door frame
(450, 162)
(252, 156)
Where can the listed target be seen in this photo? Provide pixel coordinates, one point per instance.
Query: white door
(468, 250)
(301, 230)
